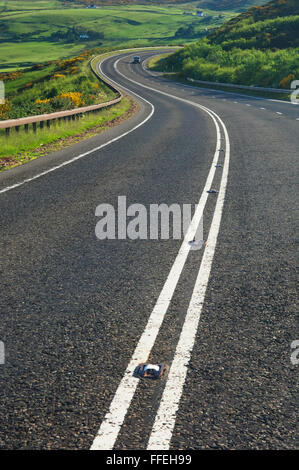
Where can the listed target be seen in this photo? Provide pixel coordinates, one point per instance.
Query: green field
(34, 32)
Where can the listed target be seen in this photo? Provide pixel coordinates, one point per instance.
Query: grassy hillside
(237, 5)
(211, 4)
(274, 25)
(260, 47)
(53, 86)
(36, 31)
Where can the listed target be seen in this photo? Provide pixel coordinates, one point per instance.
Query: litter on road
(152, 371)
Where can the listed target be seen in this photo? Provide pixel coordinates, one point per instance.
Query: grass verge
(22, 148)
(152, 63)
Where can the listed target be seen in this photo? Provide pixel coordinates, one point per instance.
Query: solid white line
(113, 420)
(277, 112)
(165, 419)
(281, 101)
(78, 157)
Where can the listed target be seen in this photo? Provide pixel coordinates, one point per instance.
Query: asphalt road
(73, 308)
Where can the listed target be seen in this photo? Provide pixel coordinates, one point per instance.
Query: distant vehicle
(136, 59)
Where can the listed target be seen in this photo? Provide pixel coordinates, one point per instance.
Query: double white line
(165, 419)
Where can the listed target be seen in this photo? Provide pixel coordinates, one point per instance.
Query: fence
(242, 87)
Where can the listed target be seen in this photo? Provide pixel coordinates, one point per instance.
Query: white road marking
(262, 108)
(165, 419)
(248, 104)
(280, 101)
(277, 112)
(113, 420)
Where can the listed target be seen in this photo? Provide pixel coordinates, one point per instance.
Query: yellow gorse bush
(38, 101)
(10, 76)
(4, 108)
(74, 96)
(285, 82)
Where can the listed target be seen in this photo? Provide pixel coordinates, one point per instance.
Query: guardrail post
(7, 131)
(17, 128)
(26, 127)
(34, 127)
(48, 124)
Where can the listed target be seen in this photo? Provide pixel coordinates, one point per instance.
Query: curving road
(78, 314)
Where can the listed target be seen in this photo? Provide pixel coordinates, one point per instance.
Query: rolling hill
(237, 5)
(210, 4)
(34, 32)
(259, 47)
(274, 25)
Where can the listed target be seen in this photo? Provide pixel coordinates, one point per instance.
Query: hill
(259, 47)
(236, 5)
(274, 25)
(34, 32)
(209, 4)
